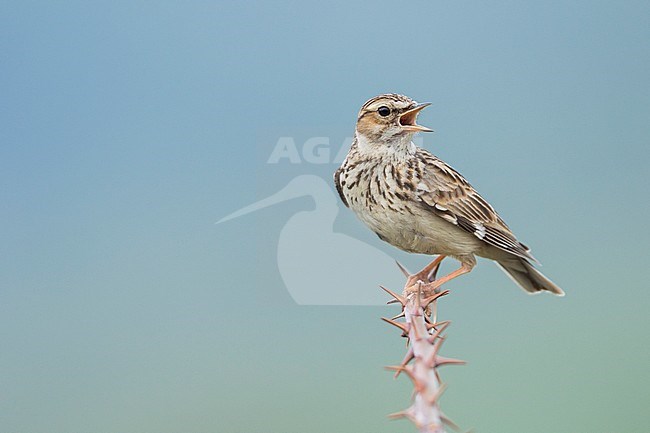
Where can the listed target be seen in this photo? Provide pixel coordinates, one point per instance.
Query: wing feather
(451, 197)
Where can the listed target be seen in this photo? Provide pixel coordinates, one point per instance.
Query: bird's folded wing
(445, 192)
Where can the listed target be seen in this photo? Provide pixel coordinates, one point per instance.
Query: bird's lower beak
(407, 119)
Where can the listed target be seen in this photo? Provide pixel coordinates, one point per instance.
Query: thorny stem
(422, 361)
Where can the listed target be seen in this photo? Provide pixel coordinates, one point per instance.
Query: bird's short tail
(527, 277)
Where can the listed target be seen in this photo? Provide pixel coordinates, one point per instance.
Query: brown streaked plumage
(418, 203)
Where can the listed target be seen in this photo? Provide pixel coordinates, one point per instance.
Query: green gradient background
(128, 128)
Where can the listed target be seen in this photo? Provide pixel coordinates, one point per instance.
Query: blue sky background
(128, 128)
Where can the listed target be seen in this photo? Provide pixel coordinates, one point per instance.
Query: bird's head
(389, 119)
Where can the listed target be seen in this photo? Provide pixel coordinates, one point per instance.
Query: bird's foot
(423, 281)
(414, 284)
(424, 289)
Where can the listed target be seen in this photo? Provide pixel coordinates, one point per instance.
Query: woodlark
(419, 204)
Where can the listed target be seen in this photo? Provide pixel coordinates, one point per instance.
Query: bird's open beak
(407, 119)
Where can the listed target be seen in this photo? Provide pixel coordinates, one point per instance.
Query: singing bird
(416, 202)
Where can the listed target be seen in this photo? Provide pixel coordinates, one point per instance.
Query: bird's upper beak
(408, 118)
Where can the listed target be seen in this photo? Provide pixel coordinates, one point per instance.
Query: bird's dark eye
(383, 111)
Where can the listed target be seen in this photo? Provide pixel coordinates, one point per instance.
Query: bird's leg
(431, 287)
(424, 275)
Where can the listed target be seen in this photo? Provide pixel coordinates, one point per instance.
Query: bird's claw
(425, 280)
(425, 289)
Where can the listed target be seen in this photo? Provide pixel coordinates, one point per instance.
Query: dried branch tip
(405, 271)
(396, 297)
(403, 326)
